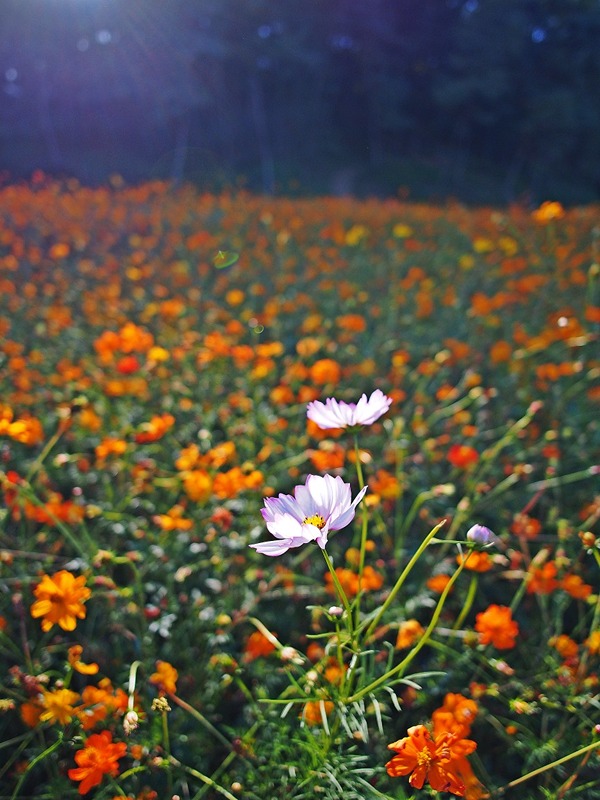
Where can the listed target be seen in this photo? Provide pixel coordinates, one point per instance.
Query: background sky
(485, 100)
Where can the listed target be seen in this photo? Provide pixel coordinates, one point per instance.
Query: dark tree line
(483, 99)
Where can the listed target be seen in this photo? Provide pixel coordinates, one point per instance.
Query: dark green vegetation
(484, 100)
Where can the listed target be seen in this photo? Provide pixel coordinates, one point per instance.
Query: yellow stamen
(317, 520)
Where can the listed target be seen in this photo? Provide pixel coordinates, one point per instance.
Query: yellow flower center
(424, 759)
(317, 520)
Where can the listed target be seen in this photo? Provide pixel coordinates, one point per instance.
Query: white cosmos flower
(338, 414)
(323, 504)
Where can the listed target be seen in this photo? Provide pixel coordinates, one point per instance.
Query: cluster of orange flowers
(201, 480)
(438, 755)
(543, 579)
(277, 322)
(60, 600)
(27, 429)
(352, 583)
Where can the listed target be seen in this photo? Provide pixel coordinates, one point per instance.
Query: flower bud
(481, 535)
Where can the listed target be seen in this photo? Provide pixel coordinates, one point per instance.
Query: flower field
(300, 497)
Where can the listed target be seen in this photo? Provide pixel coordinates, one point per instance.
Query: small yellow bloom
(60, 600)
(59, 706)
(402, 231)
(592, 643)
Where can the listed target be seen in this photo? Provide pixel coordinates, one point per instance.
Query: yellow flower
(59, 706)
(401, 231)
(592, 643)
(60, 600)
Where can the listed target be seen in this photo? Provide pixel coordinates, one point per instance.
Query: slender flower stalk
(534, 773)
(471, 593)
(363, 531)
(403, 576)
(399, 668)
(338, 587)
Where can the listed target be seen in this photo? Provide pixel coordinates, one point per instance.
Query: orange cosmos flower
(219, 454)
(313, 711)
(127, 365)
(462, 456)
(197, 484)
(437, 583)
(385, 485)
(155, 429)
(230, 483)
(328, 457)
(574, 586)
(435, 760)
(188, 458)
(165, 678)
(500, 351)
(31, 712)
(496, 626)
(352, 322)
(257, 645)
(281, 395)
(349, 580)
(74, 658)
(324, 371)
(98, 758)
(98, 702)
(525, 526)
(456, 715)
(408, 633)
(476, 561)
(542, 580)
(173, 520)
(133, 338)
(548, 211)
(60, 600)
(110, 446)
(27, 430)
(566, 647)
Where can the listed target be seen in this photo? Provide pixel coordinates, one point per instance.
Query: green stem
(36, 761)
(419, 646)
(204, 778)
(37, 464)
(227, 760)
(560, 480)
(363, 534)
(167, 748)
(340, 591)
(472, 591)
(403, 576)
(553, 764)
(26, 490)
(359, 472)
(202, 720)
